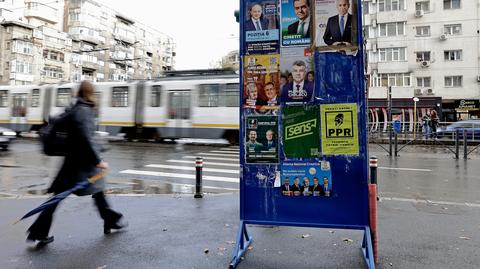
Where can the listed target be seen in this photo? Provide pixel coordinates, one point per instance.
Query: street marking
(232, 149)
(206, 163)
(211, 158)
(217, 154)
(428, 201)
(191, 168)
(405, 169)
(177, 175)
(223, 151)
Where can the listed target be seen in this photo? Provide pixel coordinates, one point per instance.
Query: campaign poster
(339, 129)
(313, 179)
(297, 22)
(262, 31)
(261, 91)
(335, 25)
(301, 137)
(261, 139)
(297, 78)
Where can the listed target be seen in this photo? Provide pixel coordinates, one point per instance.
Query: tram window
(231, 95)
(120, 97)
(35, 98)
(64, 96)
(208, 95)
(156, 96)
(3, 98)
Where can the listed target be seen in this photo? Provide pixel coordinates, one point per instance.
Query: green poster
(301, 137)
(339, 129)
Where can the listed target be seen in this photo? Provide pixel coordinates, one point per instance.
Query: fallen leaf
(102, 267)
(206, 251)
(305, 235)
(331, 231)
(250, 248)
(221, 249)
(347, 240)
(164, 229)
(391, 264)
(227, 225)
(230, 242)
(464, 238)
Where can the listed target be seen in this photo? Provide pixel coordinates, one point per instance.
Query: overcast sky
(203, 31)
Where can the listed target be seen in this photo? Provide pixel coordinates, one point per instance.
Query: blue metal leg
(367, 248)
(243, 242)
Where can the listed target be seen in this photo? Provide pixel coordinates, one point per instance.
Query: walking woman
(434, 122)
(82, 161)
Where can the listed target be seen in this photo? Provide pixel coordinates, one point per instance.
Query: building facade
(74, 40)
(424, 49)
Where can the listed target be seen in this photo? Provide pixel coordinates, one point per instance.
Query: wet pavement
(429, 213)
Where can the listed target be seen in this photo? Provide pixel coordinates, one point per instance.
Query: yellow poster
(339, 129)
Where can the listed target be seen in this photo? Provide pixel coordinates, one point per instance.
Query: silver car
(6, 136)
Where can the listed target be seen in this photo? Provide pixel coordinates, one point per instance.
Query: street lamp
(415, 100)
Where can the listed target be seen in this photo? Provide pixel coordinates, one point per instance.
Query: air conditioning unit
(443, 37)
(417, 92)
(425, 63)
(418, 13)
(478, 78)
(374, 1)
(428, 92)
(374, 23)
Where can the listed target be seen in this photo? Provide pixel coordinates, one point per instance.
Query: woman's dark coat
(83, 153)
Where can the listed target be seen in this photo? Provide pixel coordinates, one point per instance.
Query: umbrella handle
(97, 176)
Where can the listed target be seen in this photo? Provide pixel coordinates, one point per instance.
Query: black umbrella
(60, 196)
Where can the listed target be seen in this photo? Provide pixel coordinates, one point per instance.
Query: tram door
(19, 111)
(179, 113)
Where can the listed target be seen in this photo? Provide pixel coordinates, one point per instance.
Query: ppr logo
(300, 129)
(339, 124)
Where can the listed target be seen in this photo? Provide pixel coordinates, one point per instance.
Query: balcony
(122, 37)
(38, 10)
(393, 67)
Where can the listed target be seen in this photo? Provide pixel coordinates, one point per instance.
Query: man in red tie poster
(299, 90)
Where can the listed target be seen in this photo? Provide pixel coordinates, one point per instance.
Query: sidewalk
(175, 232)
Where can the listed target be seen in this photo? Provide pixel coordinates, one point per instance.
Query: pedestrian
(434, 122)
(81, 161)
(426, 124)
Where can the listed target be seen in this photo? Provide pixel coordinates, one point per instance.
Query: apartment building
(427, 49)
(73, 40)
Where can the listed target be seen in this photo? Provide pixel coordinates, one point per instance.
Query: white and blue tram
(183, 104)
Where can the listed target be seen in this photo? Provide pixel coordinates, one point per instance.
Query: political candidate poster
(297, 79)
(261, 83)
(261, 139)
(335, 25)
(306, 179)
(339, 129)
(296, 23)
(301, 138)
(261, 26)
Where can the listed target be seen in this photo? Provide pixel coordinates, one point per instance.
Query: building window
(53, 72)
(453, 55)
(365, 8)
(156, 96)
(453, 81)
(3, 98)
(423, 56)
(392, 54)
(391, 5)
(422, 5)
(208, 95)
(452, 29)
(120, 97)
(21, 67)
(394, 80)
(422, 30)
(451, 4)
(21, 46)
(35, 98)
(231, 96)
(391, 29)
(64, 96)
(424, 82)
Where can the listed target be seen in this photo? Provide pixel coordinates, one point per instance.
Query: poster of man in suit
(261, 139)
(335, 26)
(297, 62)
(309, 179)
(261, 27)
(297, 22)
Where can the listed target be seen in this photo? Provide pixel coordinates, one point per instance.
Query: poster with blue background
(297, 22)
(261, 27)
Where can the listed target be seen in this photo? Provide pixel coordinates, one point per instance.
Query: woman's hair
(87, 92)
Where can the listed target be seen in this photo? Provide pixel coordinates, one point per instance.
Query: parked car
(471, 128)
(6, 136)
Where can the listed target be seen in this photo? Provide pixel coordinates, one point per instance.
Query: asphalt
(172, 231)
